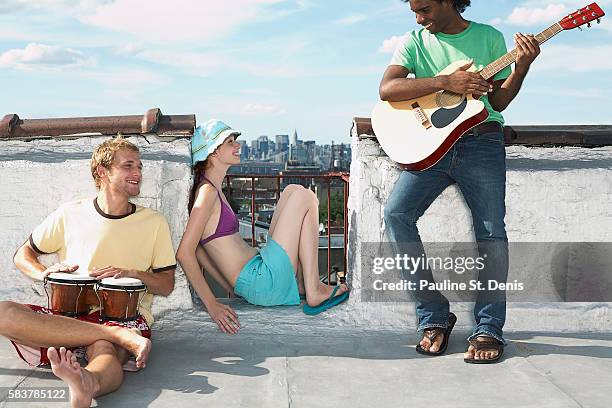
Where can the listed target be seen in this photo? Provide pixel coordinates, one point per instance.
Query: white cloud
(126, 79)
(352, 19)
(390, 44)
(527, 16)
(223, 105)
(271, 70)
(61, 6)
(606, 25)
(181, 20)
(262, 109)
(291, 7)
(130, 49)
(496, 21)
(534, 12)
(258, 91)
(194, 63)
(43, 56)
(22, 34)
(565, 58)
(131, 86)
(11, 6)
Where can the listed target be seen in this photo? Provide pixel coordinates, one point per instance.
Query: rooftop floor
(294, 366)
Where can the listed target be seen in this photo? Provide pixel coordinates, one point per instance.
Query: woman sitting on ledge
(211, 240)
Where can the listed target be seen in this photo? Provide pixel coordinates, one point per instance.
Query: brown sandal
(491, 344)
(434, 332)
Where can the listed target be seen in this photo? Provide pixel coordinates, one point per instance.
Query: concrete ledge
(569, 192)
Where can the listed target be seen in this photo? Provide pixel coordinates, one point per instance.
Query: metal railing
(153, 121)
(327, 182)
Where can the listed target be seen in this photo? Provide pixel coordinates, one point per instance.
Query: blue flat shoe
(332, 301)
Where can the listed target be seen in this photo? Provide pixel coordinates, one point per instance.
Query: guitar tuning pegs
(598, 20)
(580, 28)
(589, 25)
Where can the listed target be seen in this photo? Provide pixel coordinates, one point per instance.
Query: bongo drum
(120, 298)
(69, 293)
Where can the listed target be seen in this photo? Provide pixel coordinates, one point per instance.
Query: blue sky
(268, 66)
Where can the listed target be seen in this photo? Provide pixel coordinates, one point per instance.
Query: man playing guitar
(476, 162)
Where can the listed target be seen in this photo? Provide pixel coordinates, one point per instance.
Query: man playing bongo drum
(102, 237)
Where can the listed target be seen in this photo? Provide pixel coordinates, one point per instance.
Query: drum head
(70, 278)
(122, 283)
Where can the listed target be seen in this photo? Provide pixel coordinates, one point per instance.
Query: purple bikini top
(228, 222)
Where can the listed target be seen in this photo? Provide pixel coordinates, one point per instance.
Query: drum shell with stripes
(70, 295)
(120, 298)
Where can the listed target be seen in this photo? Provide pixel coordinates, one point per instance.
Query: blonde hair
(104, 155)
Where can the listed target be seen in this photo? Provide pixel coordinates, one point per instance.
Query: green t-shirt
(425, 54)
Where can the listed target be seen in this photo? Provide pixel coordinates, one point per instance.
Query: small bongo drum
(120, 298)
(69, 293)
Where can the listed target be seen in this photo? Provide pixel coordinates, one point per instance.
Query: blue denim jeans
(478, 165)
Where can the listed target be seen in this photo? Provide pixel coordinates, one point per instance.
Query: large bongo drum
(70, 294)
(120, 298)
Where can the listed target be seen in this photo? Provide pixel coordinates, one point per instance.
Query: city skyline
(267, 67)
(284, 152)
(272, 137)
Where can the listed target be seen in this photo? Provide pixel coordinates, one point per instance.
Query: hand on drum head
(59, 267)
(225, 317)
(111, 272)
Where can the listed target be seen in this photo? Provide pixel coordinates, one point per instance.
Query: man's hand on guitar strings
(527, 50)
(465, 83)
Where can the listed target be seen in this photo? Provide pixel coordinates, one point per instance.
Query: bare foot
(136, 344)
(434, 346)
(81, 383)
(483, 354)
(322, 294)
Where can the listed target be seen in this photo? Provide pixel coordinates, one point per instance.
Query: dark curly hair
(460, 5)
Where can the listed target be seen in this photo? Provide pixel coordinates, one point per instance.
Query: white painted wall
(560, 194)
(553, 195)
(37, 176)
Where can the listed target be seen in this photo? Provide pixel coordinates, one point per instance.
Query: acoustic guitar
(417, 133)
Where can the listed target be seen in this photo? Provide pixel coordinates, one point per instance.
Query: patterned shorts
(37, 356)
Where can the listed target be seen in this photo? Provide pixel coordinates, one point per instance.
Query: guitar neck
(496, 66)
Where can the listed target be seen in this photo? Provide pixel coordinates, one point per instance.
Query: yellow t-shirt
(82, 234)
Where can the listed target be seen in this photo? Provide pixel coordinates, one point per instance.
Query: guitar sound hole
(447, 99)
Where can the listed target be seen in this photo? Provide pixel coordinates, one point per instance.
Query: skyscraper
(262, 146)
(294, 138)
(282, 143)
(244, 150)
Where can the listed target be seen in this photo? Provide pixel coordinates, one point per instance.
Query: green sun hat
(207, 137)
